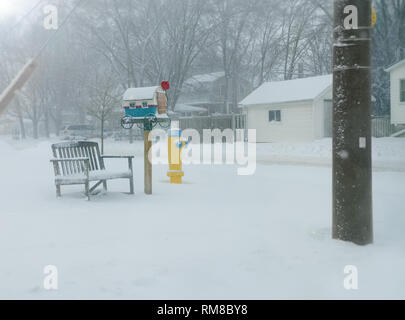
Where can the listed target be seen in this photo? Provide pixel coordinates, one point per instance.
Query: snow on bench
(81, 163)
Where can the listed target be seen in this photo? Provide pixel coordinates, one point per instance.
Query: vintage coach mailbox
(146, 102)
(146, 107)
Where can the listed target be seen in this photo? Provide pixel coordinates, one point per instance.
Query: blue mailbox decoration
(148, 104)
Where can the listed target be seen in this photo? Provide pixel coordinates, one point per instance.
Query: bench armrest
(130, 158)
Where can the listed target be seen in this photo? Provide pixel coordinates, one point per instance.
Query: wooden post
(131, 136)
(147, 163)
(22, 77)
(352, 170)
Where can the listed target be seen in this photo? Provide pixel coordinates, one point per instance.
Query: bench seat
(93, 176)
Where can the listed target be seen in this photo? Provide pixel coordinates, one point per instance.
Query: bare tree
(186, 34)
(31, 100)
(267, 46)
(388, 48)
(11, 59)
(295, 33)
(103, 99)
(234, 40)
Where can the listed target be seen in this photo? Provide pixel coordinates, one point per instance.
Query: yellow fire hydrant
(176, 145)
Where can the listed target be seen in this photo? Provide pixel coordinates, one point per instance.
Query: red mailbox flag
(165, 85)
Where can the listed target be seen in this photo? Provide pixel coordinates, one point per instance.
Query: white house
(292, 110)
(397, 74)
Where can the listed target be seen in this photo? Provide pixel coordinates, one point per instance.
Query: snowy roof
(289, 90)
(146, 93)
(188, 108)
(205, 78)
(398, 64)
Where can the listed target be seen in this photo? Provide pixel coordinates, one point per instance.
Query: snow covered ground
(388, 153)
(217, 236)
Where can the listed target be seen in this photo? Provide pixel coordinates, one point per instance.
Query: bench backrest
(74, 150)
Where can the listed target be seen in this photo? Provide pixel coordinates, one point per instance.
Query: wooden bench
(81, 163)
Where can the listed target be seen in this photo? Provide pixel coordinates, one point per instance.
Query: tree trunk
(226, 93)
(22, 127)
(102, 135)
(46, 123)
(235, 92)
(57, 121)
(35, 129)
(20, 119)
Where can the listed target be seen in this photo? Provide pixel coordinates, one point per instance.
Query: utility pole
(26, 72)
(352, 167)
(19, 81)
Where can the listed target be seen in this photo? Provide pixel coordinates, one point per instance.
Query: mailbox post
(148, 126)
(146, 107)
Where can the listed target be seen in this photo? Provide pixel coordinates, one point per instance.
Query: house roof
(146, 93)
(188, 108)
(204, 78)
(289, 91)
(398, 64)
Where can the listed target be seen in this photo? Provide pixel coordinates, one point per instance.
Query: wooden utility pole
(147, 163)
(26, 72)
(352, 167)
(19, 81)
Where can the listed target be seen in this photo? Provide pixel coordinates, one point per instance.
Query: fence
(222, 122)
(382, 127)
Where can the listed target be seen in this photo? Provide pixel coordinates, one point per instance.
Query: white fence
(222, 122)
(382, 127)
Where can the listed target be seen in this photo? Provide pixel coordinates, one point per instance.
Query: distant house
(208, 91)
(189, 111)
(397, 75)
(293, 110)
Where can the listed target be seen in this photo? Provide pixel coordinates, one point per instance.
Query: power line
(26, 72)
(52, 37)
(26, 15)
